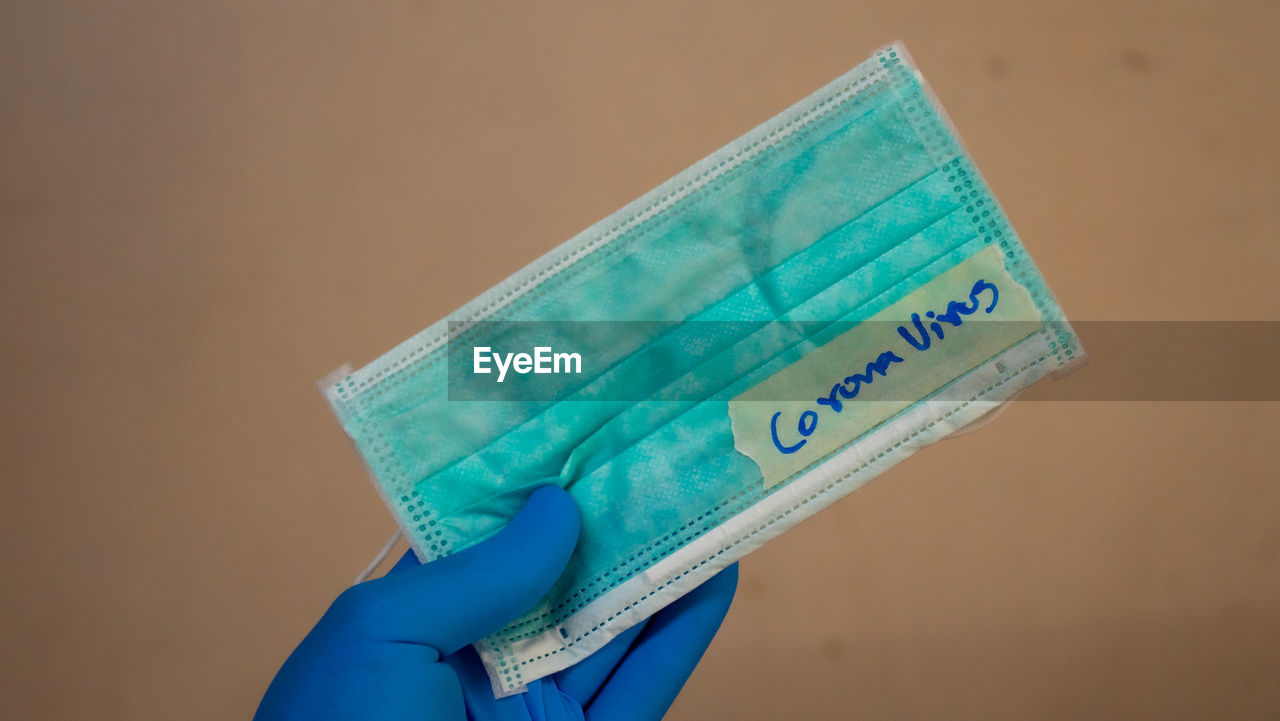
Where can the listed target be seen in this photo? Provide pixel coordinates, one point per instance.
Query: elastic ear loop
(983, 420)
(324, 384)
(378, 559)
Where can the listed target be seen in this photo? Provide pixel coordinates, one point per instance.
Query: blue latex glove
(398, 647)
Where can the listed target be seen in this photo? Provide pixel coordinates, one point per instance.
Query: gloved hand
(398, 647)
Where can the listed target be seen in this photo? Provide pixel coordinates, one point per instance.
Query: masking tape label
(902, 355)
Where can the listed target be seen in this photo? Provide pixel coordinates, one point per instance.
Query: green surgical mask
(755, 338)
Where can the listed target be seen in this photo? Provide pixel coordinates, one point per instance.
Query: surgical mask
(754, 339)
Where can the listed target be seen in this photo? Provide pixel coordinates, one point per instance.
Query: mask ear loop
(377, 560)
(324, 384)
(983, 420)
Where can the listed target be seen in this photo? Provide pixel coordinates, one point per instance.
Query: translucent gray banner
(690, 361)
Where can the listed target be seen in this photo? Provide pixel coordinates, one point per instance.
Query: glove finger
(539, 702)
(583, 679)
(456, 600)
(661, 659)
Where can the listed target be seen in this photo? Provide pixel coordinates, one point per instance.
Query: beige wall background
(205, 207)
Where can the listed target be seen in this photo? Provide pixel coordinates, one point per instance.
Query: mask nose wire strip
(378, 559)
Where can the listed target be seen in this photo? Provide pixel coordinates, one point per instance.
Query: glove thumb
(456, 600)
